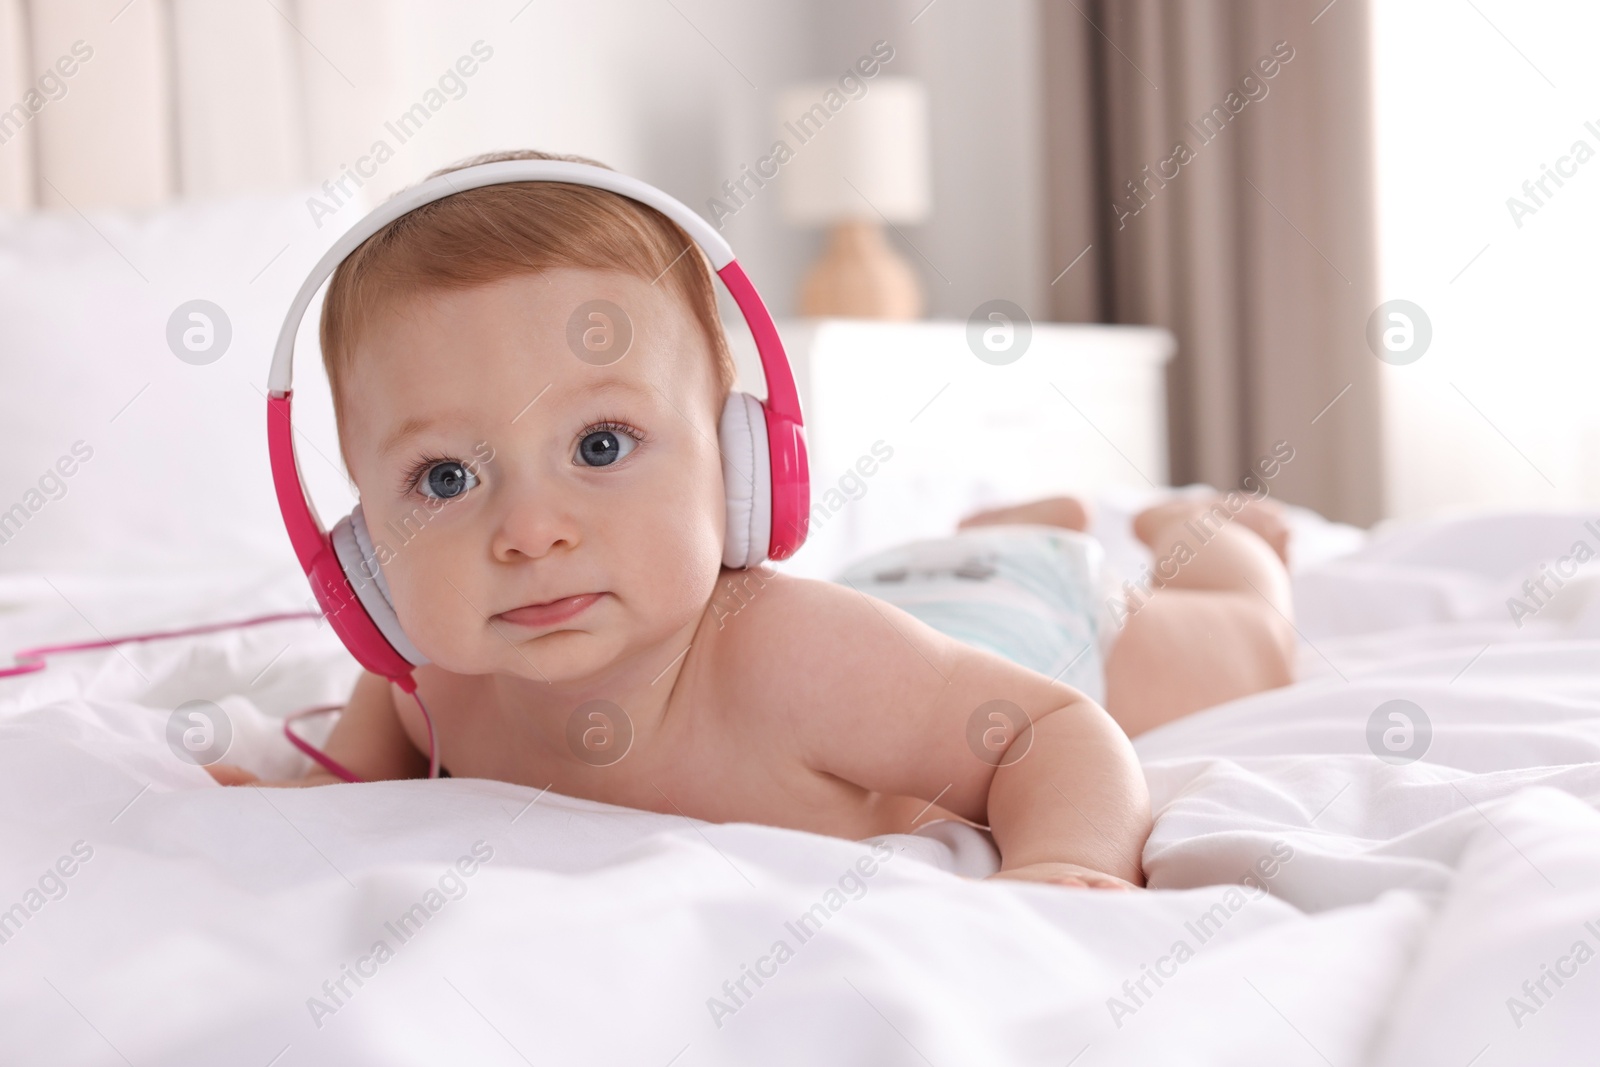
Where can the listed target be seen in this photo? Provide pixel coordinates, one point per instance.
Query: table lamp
(857, 163)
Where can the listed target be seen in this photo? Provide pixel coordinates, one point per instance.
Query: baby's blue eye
(601, 448)
(447, 480)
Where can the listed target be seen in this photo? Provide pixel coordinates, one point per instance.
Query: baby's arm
(878, 698)
(1077, 798)
(368, 739)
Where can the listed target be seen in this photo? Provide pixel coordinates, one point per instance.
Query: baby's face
(501, 470)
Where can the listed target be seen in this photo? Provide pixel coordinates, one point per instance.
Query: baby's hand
(1068, 874)
(228, 774)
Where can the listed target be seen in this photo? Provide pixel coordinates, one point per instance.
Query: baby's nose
(534, 526)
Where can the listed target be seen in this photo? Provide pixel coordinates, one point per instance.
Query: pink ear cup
(786, 438)
(791, 484)
(359, 559)
(338, 598)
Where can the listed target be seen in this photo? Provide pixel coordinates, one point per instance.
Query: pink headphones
(763, 444)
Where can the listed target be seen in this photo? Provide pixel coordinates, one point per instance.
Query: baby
(562, 572)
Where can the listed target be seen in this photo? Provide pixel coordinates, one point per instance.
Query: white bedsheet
(1407, 904)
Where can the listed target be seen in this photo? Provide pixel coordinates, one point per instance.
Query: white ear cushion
(352, 544)
(747, 477)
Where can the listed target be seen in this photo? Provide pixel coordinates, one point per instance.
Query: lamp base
(860, 276)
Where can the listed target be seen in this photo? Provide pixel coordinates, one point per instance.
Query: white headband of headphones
(511, 170)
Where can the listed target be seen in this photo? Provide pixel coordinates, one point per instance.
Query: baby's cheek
(684, 578)
(435, 617)
(459, 640)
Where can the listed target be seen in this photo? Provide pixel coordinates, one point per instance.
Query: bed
(1312, 902)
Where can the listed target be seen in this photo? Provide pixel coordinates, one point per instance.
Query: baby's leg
(1064, 511)
(1213, 623)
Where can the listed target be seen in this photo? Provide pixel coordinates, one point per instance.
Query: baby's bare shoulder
(800, 639)
(864, 691)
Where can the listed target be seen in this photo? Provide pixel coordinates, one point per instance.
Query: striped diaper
(1037, 595)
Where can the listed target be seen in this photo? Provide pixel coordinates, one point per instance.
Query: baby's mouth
(539, 616)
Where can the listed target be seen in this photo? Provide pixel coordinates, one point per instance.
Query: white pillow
(119, 455)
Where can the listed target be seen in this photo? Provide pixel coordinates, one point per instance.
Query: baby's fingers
(1106, 881)
(228, 774)
(1085, 881)
(1066, 874)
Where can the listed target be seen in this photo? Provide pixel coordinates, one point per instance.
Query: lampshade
(875, 141)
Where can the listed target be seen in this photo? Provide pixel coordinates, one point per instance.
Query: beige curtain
(1215, 158)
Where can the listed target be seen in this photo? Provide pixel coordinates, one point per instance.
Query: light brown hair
(498, 231)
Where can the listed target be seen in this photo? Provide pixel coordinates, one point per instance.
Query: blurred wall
(200, 98)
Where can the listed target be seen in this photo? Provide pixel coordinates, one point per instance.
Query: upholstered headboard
(131, 103)
(111, 103)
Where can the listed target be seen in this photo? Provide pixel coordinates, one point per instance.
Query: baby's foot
(1263, 517)
(1064, 511)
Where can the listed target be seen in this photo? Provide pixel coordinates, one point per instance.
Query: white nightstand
(908, 429)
